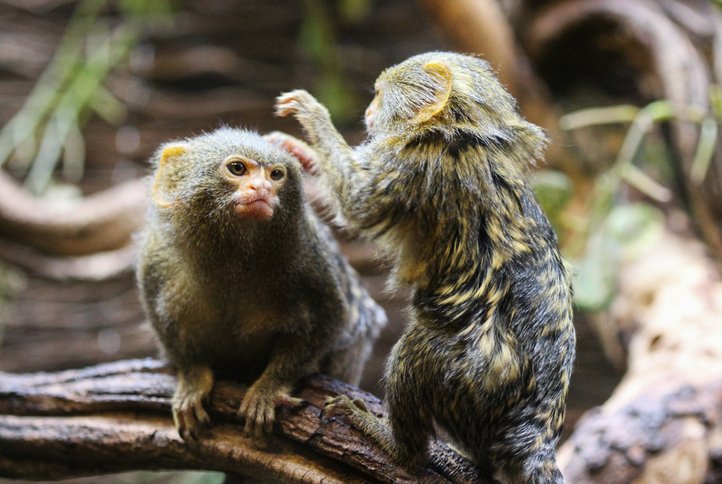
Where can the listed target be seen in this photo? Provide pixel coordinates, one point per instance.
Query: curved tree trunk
(98, 223)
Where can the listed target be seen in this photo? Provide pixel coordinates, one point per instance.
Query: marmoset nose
(259, 185)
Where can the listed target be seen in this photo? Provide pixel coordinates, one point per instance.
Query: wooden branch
(645, 21)
(97, 223)
(678, 69)
(116, 417)
(663, 423)
(91, 267)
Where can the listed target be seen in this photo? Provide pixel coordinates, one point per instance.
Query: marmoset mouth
(255, 209)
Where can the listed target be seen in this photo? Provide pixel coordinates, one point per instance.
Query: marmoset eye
(237, 168)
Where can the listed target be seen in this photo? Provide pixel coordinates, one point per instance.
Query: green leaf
(553, 189)
(594, 278)
(635, 227)
(354, 10)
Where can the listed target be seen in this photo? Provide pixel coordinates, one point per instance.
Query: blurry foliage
(609, 224)
(202, 478)
(355, 10)
(627, 229)
(175, 477)
(48, 127)
(11, 281)
(318, 40)
(554, 191)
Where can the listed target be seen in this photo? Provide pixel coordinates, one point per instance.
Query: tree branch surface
(116, 417)
(663, 423)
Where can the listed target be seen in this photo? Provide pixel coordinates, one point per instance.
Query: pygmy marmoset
(240, 279)
(486, 358)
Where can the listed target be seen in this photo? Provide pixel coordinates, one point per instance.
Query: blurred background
(628, 91)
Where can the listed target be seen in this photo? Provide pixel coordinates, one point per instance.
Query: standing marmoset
(440, 182)
(240, 278)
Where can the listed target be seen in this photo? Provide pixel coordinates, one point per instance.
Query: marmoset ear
(441, 73)
(166, 178)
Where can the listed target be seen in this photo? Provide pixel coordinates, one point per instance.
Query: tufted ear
(166, 177)
(440, 73)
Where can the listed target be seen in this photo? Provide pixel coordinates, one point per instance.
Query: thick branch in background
(655, 38)
(92, 267)
(97, 223)
(116, 417)
(663, 423)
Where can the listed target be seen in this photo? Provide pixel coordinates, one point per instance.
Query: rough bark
(663, 422)
(116, 417)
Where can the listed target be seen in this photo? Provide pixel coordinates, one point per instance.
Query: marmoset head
(228, 173)
(439, 89)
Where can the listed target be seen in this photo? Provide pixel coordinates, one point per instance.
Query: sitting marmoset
(486, 358)
(240, 278)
